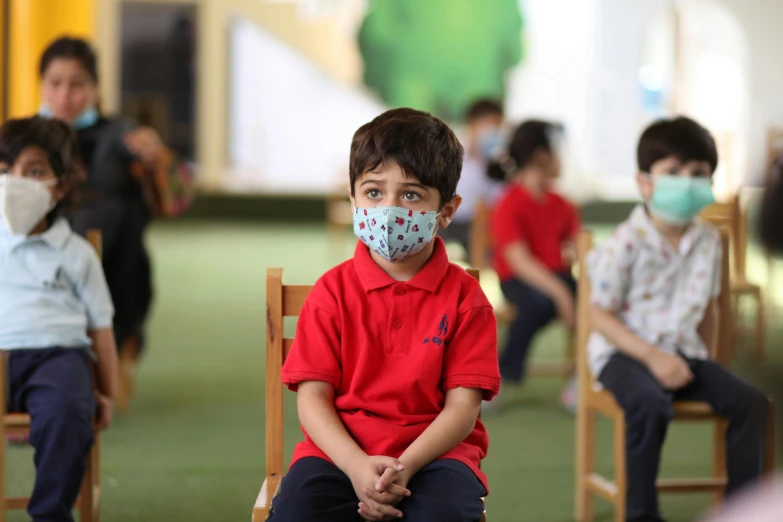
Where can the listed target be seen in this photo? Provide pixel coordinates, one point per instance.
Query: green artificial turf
(192, 445)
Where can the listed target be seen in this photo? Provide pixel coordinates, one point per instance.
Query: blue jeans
(54, 386)
(534, 311)
(315, 490)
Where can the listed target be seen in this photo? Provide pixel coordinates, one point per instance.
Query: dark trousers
(534, 311)
(317, 491)
(55, 387)
(648, 410)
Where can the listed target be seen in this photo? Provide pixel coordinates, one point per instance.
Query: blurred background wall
(264, 95)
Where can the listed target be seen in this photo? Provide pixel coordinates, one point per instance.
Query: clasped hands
(380, 484)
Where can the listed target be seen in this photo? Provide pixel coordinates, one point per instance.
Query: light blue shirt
(52, 290)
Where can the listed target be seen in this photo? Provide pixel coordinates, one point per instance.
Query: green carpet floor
(192, 446)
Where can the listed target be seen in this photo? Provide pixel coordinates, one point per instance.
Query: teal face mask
(88, 118)
(678, 199)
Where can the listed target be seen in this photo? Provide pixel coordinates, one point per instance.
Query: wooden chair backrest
(774, 151)
(720, 351)
(480, 239)
(729, 215)
(282, 301)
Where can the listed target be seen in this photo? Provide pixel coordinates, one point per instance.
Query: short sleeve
(507, 224)
(471, 359)
(315, 353)
(94, 293)
(718, 271)
(609, 267)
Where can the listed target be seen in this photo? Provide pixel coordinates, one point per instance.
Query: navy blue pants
(315, 490)
(54, 386)
(648, 411)
(534, 311)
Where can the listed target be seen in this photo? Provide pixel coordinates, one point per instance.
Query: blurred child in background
(654, 311)
(55, 312)
(481, 180)
(532, 229)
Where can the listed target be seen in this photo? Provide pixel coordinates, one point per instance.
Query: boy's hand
(105, 411)
(365, 475)
(390, 490)
(671, 371)
(566, 308)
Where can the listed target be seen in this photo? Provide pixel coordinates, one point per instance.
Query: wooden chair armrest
(269, 489)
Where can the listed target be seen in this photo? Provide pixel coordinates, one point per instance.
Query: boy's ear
(448, 211)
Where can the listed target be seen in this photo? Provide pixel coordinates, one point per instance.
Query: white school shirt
(658, 293)
(52, 290)
(474, 185)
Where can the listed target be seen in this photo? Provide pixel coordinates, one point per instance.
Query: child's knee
(649, 405)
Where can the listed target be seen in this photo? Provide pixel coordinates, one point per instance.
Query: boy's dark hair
(58, 142)
(419, 143)
(680, 137)
(74, 49)
(482, 108)
(530, 137)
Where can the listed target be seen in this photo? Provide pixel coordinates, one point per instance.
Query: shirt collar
(56, 235)
(429, 277)
(645, 229)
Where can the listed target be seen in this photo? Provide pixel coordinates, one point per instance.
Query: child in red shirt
(395, 349)
(531, 228)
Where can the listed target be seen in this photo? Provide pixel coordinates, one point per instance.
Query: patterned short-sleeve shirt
(659, 293)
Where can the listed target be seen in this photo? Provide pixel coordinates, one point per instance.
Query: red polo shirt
(392, 349)
(542, 224)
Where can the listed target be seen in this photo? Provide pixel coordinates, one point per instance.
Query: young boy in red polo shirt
(532, 228)
(395, 349)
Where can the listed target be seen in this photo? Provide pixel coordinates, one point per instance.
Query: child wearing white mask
(55, 310)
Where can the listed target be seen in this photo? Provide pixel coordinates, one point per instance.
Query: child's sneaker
(569, 395)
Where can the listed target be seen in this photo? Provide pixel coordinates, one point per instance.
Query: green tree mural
(440, 55)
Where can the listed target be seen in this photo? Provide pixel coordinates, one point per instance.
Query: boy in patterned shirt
(654, 311)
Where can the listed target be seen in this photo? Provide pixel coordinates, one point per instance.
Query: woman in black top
(112, 151)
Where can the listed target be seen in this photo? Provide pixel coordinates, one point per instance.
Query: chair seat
(16, 420)
(742, 286)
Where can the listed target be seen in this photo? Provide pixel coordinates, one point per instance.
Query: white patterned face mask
(394, 233)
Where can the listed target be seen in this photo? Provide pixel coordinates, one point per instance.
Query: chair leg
(620, 469)
(95, 456)
(719, 457)
(769, 440)
(760, 325)
(85, 499)
(585, 460)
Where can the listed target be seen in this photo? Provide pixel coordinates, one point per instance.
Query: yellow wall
(33, 25)
(2, 65)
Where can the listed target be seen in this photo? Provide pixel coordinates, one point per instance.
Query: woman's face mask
(678, 199)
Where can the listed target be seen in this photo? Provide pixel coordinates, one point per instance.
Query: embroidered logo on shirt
(58, 282)
(443, 330)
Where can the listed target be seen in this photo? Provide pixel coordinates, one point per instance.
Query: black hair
(419, 143)
(70, 48)
(530, 137)
(682, 138)
(58, 142)
(483, 107)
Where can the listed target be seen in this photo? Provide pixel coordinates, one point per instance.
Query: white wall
(290, 125)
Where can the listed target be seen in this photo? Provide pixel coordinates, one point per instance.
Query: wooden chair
(731, 216)
(18, 424)
(281, 301)
(593, 400)
(505, 313)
